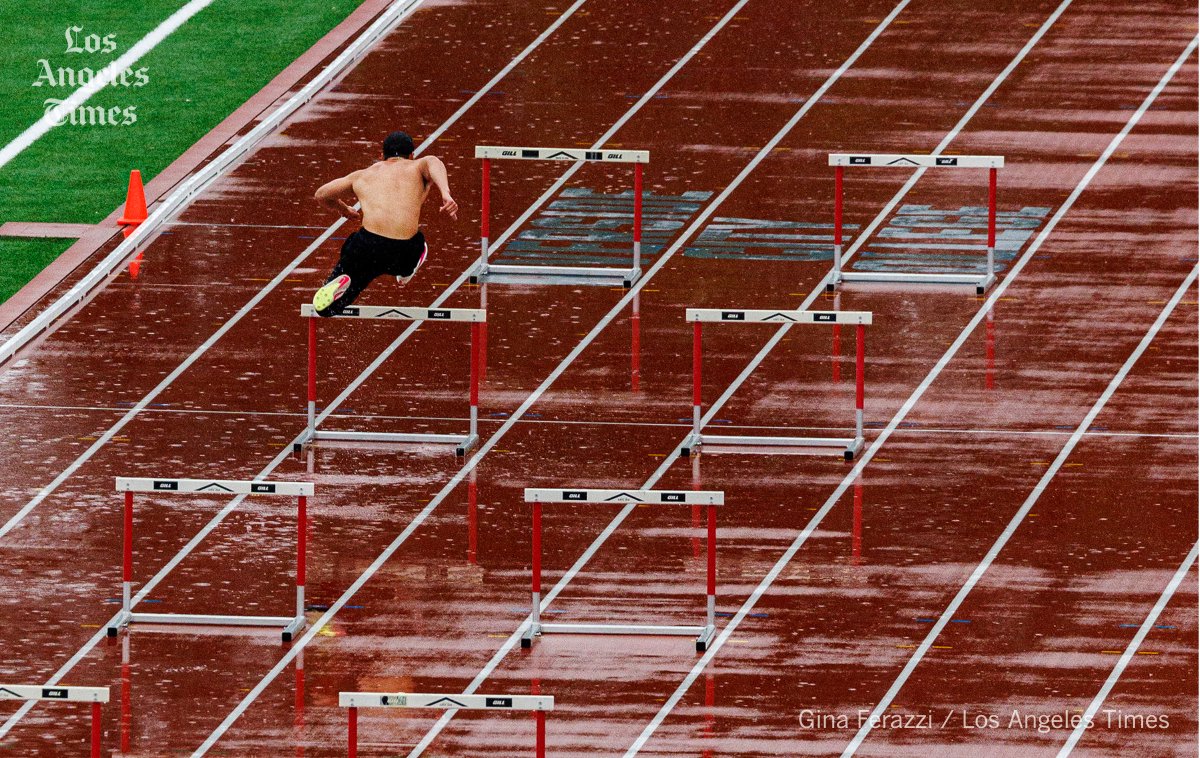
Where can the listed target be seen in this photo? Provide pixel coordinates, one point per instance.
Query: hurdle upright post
(697, 342)
(127, 557)
(475, 348)
(485, 210)
(838, 177)
(712, 566)
(637, 216)
(352, 731)
(540, 745)
(301, 551)
(312, 375)
(860, 370)
(991, 244)
(96, 730)
(536, 618)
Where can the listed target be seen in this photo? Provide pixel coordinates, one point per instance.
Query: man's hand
(449, 206)
(349, 212)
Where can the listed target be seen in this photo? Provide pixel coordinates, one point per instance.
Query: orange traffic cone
(135, 204)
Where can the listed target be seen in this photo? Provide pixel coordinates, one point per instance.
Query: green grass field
(192, 80)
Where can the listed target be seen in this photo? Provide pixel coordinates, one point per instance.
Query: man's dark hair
(397, 145)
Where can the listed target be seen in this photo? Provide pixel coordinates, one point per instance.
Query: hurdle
(94, 695)
(300, 490)
(703, 634)
(509, 273)
(850, 446)
(841, 160)
(352, 701)
(462, 442)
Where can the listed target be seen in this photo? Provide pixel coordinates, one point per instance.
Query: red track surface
(837, 627)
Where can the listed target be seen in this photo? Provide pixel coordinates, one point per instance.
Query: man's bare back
(391, 192)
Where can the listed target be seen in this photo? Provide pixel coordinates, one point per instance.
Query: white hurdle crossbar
(94, 695)
(850, 447)
(627, 276)
(352, 701)
(129, 485)
(462, 442)
(841, 160)
(703, 634)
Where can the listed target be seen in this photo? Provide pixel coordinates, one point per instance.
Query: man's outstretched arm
(435, 171)
(330, 194)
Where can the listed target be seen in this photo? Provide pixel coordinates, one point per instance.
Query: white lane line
(1019, 517)
(101, 80)
(762, 154)
(1130, 651)
(905, 409)
(216, 520)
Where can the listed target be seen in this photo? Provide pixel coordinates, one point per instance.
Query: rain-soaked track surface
(1037, 636)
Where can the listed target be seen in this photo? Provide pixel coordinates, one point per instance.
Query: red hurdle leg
(537, 564)
(696, 377)
(475, 344)
(485, 210)
(541, 734)
(860, 337)
(637, 216)
(127, 568)
(991, 251)
(712, 565)
(839, 174)
(301, 551)
(95, 730)
(312, 375)
(352, 730)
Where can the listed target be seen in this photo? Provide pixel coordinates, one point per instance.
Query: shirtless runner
(390, 241)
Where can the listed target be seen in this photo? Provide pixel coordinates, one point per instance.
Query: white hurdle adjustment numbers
(213, 486)
(402, 313)
(647, 497)
(445, 702)
(561, 154)
(67, 694)
(885, 160)
(734, 315)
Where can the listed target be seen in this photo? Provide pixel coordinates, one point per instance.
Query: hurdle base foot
(854, 449)
(527, 637)
(466, 445)
(122, 623)
(690, 446)
(291, 630)
(705, 639)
